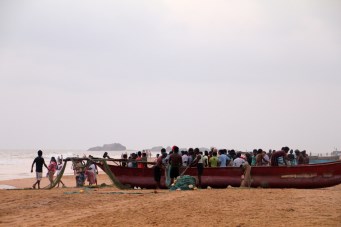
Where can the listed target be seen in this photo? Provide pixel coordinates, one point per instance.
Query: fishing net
(58, 178)
(184, 183)
(113, 178)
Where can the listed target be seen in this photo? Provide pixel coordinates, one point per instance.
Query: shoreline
(68, 180)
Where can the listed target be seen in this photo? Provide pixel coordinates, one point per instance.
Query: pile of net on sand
(183, 183)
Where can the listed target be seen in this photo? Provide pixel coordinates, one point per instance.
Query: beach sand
(216, 207)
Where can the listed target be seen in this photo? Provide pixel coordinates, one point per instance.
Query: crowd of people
(175, 159)
(222, 157)
(83, 171)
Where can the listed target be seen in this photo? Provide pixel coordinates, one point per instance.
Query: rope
(247, 181)
(57, 179)
(112, 177)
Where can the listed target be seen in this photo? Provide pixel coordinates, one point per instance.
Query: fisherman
(175, 161)
(278, 158)
(39, 161)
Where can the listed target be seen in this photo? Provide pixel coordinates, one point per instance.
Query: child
(39, 161)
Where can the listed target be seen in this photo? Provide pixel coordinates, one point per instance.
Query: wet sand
(110, 206)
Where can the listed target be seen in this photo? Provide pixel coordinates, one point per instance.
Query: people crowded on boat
(216, 158)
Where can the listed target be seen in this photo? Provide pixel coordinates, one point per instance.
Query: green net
(184, 183)
(58, 178)
(113, 178)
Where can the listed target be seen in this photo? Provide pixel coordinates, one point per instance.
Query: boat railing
(118, 161)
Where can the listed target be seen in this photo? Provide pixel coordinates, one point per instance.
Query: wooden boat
(302, 176)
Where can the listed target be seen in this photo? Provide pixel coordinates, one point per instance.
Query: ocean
(16, 164)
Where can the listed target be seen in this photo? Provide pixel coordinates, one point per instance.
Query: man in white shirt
(239, 161)
(184, 158)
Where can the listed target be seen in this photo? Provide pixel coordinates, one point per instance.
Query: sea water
(16, 164)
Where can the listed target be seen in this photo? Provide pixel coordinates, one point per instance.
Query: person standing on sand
(175, 161)
(39, 161)
(91, 173)
(59, 168)
(158, 169)
(199, 162)
(52, 169)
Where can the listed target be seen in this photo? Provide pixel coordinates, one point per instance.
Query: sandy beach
(110, 206)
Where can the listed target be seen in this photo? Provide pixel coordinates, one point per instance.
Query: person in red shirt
(139, 158)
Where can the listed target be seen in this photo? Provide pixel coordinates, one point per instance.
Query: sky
(229, 74)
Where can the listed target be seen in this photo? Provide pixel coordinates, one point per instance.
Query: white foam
(4, 186)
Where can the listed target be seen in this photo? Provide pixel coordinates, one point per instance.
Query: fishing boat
(301, 176)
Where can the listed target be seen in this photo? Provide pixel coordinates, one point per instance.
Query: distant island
(158, 148)
(109, 147)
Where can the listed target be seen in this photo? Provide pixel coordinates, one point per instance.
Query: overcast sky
(232, 74)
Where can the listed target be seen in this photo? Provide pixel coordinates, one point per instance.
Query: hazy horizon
(229, 74)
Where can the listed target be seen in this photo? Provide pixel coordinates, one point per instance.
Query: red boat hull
(302, 176)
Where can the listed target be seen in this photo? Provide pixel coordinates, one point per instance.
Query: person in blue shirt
(223, 159)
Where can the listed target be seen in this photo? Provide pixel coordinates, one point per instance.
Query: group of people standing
(52, 168)
(193, 158)
(223, 158)
(82, 171)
